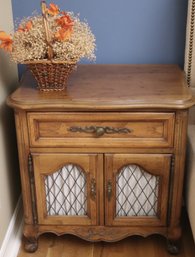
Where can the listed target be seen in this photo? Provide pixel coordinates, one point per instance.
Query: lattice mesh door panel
(66, 192)
(136, 192)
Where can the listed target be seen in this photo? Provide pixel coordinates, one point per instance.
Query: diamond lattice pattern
(136, 192)
(66, 192)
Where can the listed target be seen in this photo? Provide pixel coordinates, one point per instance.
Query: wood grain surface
(145, 129)
(110, 87)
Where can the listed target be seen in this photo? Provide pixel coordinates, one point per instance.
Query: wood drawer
(52, 129)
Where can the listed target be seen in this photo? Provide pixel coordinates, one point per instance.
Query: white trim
(13, 237)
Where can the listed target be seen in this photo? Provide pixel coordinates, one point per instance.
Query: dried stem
(47, 30)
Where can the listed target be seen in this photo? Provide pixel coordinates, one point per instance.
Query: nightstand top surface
(110, 87)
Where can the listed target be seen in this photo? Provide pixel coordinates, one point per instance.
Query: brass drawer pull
(93, 188)
(109, 190)
(100, 131)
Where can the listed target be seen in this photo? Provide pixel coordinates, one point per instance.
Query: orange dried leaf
(26, 27)
(65, 21)
(4, 36)
(63, 35)
(7, 46)
(6, 41)
(53, 10)
(20, 29)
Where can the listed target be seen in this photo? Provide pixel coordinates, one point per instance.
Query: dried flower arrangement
(55, 37)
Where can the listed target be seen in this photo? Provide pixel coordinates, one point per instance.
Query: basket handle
(47, 31)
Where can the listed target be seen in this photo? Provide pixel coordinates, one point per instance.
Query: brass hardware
(93, 189)
(109, 189)
(32, 188)
(100, 131)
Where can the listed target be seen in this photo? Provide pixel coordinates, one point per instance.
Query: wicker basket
(51, 75)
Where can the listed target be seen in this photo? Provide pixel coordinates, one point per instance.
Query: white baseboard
(13, 237)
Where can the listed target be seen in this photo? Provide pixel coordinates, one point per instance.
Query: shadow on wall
(8, 147)
(8, 81)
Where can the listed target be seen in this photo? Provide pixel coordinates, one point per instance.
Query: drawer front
(101, 129)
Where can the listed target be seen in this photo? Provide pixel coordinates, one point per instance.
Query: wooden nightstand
(105, 159)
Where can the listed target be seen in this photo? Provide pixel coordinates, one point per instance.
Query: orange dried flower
(53, 10)
(66, 24)
(6, 41)
(63, 35)
(65, 21)
(27, 27)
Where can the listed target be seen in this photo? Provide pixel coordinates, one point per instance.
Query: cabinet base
(97, 233)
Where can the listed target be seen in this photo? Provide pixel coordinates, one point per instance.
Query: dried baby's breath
(31, 44)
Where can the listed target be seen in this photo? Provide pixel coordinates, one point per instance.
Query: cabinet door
(137, 189)
(65, 187)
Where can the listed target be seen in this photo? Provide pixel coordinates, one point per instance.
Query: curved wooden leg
(30, 244)
(30, 236)
(174, 240)
(173, 246)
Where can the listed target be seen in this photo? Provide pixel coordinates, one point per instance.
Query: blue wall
(128, 31)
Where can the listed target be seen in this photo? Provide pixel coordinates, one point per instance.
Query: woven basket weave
(51, 75)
